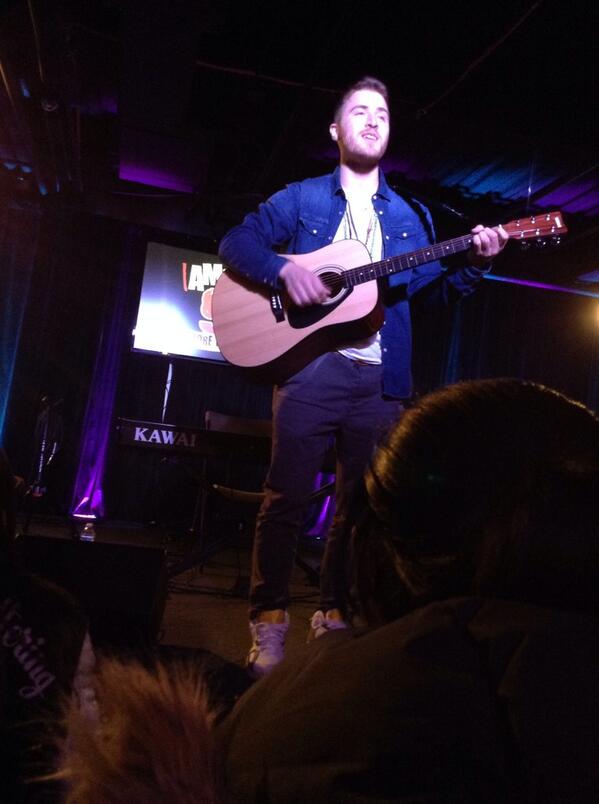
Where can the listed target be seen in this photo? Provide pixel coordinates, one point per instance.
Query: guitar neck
(547, 224)
(402, 262)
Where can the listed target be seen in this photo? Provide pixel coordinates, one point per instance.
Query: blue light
(542, 285)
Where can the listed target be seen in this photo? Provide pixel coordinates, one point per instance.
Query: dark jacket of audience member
(474, 564)
(42, 633)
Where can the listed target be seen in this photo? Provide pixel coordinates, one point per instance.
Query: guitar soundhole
(334, 281)
(301, 317)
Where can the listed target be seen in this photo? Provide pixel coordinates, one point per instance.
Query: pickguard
(302, 317)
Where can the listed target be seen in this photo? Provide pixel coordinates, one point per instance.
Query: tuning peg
(524, 245)
(540, 242)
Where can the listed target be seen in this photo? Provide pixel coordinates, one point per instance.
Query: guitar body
(253, 333)
(258, 327)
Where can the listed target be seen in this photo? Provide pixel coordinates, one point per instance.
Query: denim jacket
(305, 216)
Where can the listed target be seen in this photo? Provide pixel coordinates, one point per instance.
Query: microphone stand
(47, 436)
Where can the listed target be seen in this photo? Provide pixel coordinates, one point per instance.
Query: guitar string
(390, 263)
(436, 250)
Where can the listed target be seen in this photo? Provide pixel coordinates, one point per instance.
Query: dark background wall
(65, 268)
(127, 122)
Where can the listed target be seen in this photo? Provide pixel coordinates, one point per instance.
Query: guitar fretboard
(393, 265)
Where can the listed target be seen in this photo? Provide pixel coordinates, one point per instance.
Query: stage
(126, 581)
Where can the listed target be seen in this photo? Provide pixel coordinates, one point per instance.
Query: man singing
(350, 395)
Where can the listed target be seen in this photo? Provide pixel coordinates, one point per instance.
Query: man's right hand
(303, 287)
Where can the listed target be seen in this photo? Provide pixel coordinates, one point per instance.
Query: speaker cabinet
(121, 587)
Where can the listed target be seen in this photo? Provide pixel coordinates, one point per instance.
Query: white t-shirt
(360, 222)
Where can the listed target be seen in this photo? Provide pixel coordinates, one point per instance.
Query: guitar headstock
(547, 224)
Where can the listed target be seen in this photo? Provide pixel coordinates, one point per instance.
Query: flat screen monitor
(175, 307)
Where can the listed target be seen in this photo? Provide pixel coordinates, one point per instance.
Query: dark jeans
(332, 398)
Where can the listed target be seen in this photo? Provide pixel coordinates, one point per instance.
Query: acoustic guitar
(257, 326)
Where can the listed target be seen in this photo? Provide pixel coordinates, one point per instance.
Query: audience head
(485, 488)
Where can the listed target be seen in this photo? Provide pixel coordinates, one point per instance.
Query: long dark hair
(483, 488)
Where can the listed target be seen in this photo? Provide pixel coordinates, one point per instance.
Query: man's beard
(361, 159)
(363, 162)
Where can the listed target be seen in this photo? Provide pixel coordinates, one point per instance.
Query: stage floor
(206, 606)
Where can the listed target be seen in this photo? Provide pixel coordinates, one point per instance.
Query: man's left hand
(486, 244)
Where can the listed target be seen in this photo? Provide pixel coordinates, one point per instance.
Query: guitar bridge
(276, 305)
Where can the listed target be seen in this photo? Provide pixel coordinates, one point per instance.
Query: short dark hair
(367, 82)
(485, 488)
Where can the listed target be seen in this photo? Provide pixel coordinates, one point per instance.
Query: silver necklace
(351, 231)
